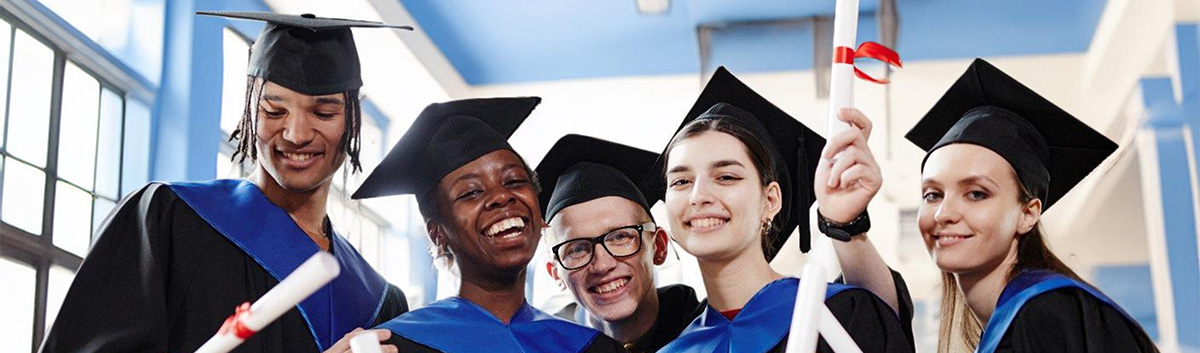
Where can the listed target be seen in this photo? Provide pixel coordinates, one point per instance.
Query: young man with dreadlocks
(174, 259)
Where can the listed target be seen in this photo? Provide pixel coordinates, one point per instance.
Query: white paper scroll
(811, 317)
(841, 77)
(313, 274)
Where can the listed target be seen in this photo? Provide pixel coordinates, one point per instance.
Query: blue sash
(758, 327)
(456, 325)
(239, 211)
(1020, 290)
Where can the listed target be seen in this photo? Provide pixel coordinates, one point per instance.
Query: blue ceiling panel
(493, 42)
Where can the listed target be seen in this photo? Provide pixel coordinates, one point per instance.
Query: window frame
(39, 251)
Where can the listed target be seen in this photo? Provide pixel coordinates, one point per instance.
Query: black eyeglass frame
(641, 229)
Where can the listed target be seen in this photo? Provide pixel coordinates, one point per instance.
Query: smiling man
(604, 242)
(174, 260)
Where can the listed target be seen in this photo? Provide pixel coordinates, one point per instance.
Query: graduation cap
(444, 137)
(579, 169)
(307, 54)
(1050, 150)
(794, 148)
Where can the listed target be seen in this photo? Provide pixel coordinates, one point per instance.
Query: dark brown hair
(755, 147)
(247, 129)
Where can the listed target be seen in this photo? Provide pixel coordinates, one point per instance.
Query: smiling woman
(480, 203)
(998, 155)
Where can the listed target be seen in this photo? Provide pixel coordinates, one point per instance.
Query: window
(66, 155)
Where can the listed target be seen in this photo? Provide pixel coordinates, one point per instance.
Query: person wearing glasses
(604, 243)
(480, 204)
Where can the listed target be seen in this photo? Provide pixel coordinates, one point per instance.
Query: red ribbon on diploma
(236, 323)
(871, 50)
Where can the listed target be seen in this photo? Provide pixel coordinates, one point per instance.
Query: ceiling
(497, 42)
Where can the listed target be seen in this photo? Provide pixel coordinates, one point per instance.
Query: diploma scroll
(248, 319)
(841, 75)
(810, 317)
(366, 342)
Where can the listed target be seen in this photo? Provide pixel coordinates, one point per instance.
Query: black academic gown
(677, 307)
(905, 305)
(1069, 318)
(161, 278)
(456, 325)
(763, 324)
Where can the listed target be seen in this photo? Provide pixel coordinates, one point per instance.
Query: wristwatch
(844, 231)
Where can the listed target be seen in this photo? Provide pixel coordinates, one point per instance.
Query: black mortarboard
(796, 148)
(444, 137)
(579, 169)
(1049, 149)
(306, 54)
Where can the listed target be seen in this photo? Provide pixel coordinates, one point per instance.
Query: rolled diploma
(366, 342)
(835, 335)
(313, 274)
(810, 300)
(841, 77)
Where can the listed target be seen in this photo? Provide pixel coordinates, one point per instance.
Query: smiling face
(971, 213)
(299, 137)
(488, 212)
(715, 198)
(612, 289)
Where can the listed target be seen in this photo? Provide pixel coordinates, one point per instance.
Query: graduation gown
(456, 325)
(905, 305)
(174, 260)
(677, 307)
(763, 324)
(1042, 311)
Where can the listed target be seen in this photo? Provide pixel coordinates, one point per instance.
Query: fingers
(852, 136)
(383, 334)
(387, 348)
(855, 117)
(850, 157)
(343, 345)
(860, 175)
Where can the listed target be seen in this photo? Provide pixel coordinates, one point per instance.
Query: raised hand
(847, 176)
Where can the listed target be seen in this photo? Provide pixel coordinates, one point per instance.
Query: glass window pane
(233, 91)
(5, 45)
(24, 193)
(56, 291)
(16, 306)
(108, 148)
(100, 210)
(29, 107)
(136, 164)
(77, 127)
(72, 218)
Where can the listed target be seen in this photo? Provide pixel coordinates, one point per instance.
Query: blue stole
(455, 325)
(1021, 290)
(239, 211)
(758, 327)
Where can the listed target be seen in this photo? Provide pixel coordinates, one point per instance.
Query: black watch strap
(844, 231)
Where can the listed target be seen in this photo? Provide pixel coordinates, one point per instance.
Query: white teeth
(299, 157)
(612, 286)
(503, 225)
(707, 222)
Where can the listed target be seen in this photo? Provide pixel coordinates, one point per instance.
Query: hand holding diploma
(364, 341)
(248, 319)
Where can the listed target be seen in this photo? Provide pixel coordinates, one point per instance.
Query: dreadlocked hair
(247, 128)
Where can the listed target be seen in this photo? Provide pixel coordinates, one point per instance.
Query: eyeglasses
(621, 242)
